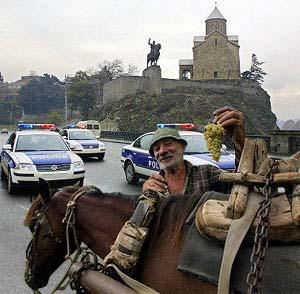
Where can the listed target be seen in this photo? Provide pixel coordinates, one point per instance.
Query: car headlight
(24, 166)
(78, 164)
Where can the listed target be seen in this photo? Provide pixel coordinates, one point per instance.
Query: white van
(92, 125)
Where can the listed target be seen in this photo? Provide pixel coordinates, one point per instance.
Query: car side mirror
(72, 145)
(97, 137)
(65, 137)
(224, 147)
(7, 147)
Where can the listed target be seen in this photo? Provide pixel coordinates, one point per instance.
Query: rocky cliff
(188, 102)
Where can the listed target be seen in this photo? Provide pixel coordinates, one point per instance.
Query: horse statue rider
(153, 56)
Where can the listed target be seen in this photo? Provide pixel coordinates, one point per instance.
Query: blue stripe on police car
(49, 157)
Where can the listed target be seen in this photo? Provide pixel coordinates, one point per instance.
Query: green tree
(81, 93)
(114, 69)
(255, 73)
(41, 95)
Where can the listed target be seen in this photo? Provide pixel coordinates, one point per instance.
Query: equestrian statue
(153, 56)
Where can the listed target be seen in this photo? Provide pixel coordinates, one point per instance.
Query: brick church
(215, 55)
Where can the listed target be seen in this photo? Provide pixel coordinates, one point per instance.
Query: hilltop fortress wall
(152, 84)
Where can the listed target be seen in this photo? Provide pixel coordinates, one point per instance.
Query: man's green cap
(165, 133)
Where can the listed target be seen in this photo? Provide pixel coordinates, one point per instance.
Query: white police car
(84, 142)
(35, 152)
(138, 163)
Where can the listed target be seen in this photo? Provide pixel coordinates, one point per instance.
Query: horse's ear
(44, 190)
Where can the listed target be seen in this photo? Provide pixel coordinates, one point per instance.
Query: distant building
(10, 90)
(215, 55)
(24, 81)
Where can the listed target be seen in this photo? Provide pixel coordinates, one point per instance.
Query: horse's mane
(179, 208)
(30, 214)
(39, 201)
(89, 191)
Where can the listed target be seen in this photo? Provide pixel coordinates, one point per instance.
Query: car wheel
(2, 174)
(100, 156)
(81, 182)
(130, 174)
(11, 187)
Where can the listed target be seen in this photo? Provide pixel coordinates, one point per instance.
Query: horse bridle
(40, 221)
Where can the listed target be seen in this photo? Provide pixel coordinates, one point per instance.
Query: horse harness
(255, 169)
(40, 221)
(127, 246)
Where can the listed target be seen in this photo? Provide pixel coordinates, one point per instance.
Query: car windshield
(81, 135)
(196, 144)
(40, 142)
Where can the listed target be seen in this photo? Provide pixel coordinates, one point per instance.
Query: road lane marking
(23, 207)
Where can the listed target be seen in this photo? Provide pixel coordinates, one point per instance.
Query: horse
(153, 56)
(99, 218)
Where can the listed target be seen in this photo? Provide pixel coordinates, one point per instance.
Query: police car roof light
(183, 126)
(80, 126)
(187, 126)
(25, 126)
(71, 127)
(36, 126)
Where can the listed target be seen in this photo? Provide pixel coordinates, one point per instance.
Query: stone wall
(219, 86)
(123, 86)
(131, 85)
(282, 144)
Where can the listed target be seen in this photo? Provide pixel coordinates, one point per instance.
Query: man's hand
(232, 121)
(156, 183)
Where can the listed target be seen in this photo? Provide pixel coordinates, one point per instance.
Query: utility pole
(66, 98)
(66, 103)
(10, 119)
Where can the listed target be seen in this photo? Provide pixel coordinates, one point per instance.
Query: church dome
(216, 14)
(215, 22)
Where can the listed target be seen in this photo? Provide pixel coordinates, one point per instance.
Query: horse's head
(46, 251)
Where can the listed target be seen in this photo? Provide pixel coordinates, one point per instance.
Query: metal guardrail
(131, 136)
(118, 135)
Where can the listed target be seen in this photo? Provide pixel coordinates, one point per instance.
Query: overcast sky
(63, 36)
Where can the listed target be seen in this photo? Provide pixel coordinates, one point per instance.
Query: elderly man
(178, 176)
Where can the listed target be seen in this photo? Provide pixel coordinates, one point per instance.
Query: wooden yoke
(292, 166)
(296, 204)
(254, 160)
(253, 167)
(239, 192)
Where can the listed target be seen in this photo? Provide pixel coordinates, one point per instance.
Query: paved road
(14, 237)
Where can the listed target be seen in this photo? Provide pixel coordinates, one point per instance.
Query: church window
(215, 74)
(216, 42)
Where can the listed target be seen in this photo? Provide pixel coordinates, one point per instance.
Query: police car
(35, 152)
(138, 163)
(84, 141)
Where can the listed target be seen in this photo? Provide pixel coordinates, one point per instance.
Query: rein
(70, 221)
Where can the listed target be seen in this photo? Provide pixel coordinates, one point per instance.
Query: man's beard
(173, 163)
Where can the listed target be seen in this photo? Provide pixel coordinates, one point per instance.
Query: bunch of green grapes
(213, 135)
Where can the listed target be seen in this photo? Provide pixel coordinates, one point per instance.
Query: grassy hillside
(142, 113)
